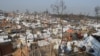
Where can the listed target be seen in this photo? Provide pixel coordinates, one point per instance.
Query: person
(63, 47)
(83, 48)
(69, 47)
(69, 37)
(79, 35)
(74, 35)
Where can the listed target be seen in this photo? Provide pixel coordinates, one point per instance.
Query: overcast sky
(73, 6)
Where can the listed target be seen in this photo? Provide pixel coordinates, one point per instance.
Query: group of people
(72, 42)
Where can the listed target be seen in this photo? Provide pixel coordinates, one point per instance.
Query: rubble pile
(43, 29)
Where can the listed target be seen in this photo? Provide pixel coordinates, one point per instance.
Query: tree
(97, 12)
(59, 8)
(27, 12)
(17, 11)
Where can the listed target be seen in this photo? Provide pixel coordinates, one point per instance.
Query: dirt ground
(47, 51)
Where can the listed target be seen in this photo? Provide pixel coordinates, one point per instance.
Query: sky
(73, 6)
